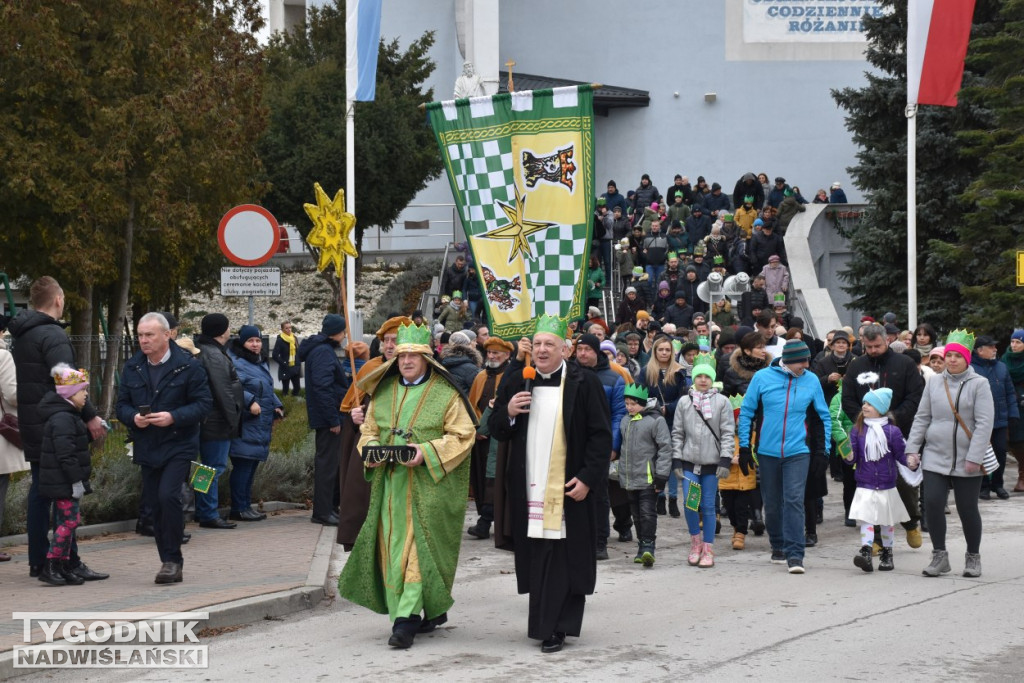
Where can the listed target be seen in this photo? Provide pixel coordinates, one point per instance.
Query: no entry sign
(248, 235)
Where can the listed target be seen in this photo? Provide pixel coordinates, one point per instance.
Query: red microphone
(529, 374)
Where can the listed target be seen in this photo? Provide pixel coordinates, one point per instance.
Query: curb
(247, 610)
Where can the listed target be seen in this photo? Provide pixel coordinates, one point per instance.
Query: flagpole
(911, 114)
(350, 200)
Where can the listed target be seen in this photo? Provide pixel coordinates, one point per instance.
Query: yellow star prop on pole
(331, 229)
(518, 228)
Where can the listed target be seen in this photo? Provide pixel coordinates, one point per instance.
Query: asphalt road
(745, 618)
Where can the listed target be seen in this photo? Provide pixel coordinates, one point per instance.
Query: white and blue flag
(362, 36)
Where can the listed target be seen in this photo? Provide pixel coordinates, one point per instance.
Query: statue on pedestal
(469, 84)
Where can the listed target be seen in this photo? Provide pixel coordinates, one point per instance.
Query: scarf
(702, 401)
(1015, 363)
(290, 339)
(875, 443)
(924, 349)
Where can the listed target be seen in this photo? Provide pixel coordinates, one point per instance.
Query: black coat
(326, 383)
(825, 367)
(64, 458)
(762, 246)
(588, 436)
(463, 364)
(895, 371)
(280, 355)
(183, 390)
(39, 344)
(222, 422)
(744, 189)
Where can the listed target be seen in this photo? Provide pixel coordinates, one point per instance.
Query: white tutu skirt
(878, 507)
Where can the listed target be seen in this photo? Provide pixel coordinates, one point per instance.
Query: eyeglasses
(378, 455)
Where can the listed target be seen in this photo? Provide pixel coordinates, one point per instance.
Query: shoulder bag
(9, 427)
(991, 463)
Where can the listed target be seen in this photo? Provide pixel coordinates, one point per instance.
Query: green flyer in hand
(202, 477)
(692, 495)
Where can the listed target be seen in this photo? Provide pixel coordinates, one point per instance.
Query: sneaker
(972, 565)
(707, 557)
(778, 557)
(796, 566)
(863, 559)
(914, 537)
(939, 564)
(810, 540)
(639, 555)
(647, 559)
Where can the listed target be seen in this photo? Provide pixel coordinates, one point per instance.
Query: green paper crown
(456, 294)
(413, 334)
(679, 194)
(704, 358)
(719, 260)
(736, 401)
(635, 391)
(551, 325)
(962, 337)
(748, 199)
(638, 270)
(779, 298)
(672, 255)
(601, 201)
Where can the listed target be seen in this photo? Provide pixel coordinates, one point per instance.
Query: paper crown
(748, 199)
(635, 391)
(779, 298)
(413, 335)
(962, 337)
(736, 401)
(672, 255)
(719, 260)
(456, 294)
(551, 325)
(704, 344)
(64, 375)
(704, 358)
(638, 270)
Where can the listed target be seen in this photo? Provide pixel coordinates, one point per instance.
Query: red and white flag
(937, 35)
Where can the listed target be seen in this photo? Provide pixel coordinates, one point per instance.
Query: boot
(647, 554)
(696, 547)
(626, 536)
(481, 531)
(707, 557)
(661, 505)
(885, 564)
(939, 564)
(673, 507)
(639, 553)
(758, 525)
(51, 573)
(863, 559)
(718, 524)
(972, 565)
(70, 577)
(738, 540)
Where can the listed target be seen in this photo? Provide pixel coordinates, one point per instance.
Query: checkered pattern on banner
(483, 172)
(553, 275)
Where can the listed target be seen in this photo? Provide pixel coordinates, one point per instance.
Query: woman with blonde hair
(665, 380)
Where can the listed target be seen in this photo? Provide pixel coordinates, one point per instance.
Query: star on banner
(518, 228)
(332, 226)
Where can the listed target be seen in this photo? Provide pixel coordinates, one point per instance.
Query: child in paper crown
(876, 447)
(645, 460)
(703, 444)
(64, 466)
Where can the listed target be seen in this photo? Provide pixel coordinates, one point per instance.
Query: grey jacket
(646, 452)
(694, 443)
(946, 447)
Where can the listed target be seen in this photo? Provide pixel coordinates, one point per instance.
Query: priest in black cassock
(559, 429)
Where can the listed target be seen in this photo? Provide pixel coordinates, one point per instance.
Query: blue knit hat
(879, 399)
(332, 325)
(247, 332)
(1018, 335)
(795, 351)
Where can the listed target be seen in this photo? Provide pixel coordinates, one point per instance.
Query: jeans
(783, 482)
(708, 498)
(642, 504)
(654, 275)
(213, 454)
(38, 515)
(161, 487)
(243, 473)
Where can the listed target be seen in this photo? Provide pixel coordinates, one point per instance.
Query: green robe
(405, 557)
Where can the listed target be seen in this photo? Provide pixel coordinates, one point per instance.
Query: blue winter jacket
(257, 387)
(183, 391)
(613, 385)
(1003, 395)
(326, 383)
(785, 400)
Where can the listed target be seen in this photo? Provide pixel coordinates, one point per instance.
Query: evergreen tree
(984, 259)
(877, 272)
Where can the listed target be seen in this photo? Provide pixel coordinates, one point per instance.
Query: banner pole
(911, 113)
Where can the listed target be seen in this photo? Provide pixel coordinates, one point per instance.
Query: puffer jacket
(947, 448)
(64, 458)
(646, 453)
(695, 442)
(1004, 397)
(253, 441)
(222, 422)
(878, 475)
(614, 386)
(326, 383)
(644, 197)
(463, 364)
(40, 343)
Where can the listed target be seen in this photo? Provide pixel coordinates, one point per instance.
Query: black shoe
(170, 572)
(810, 540)
(985, 495)
(185, 538)
(758, 525)
(863, 559)
(86, 574)
(332, 520)
(553, 644)
(144, 529)
(778, 557)
(1001, 493)
(70, 577)
(247, 515)
(849, 522)
(35, 571)
(660, 509)
(885, 563)
(718, 524)
(818, 518)
(626, 536)
(404, 632)
(51, 573)
(217, 523)
(428, 625)
(481, 530)
(601, 554)
(673, 507)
